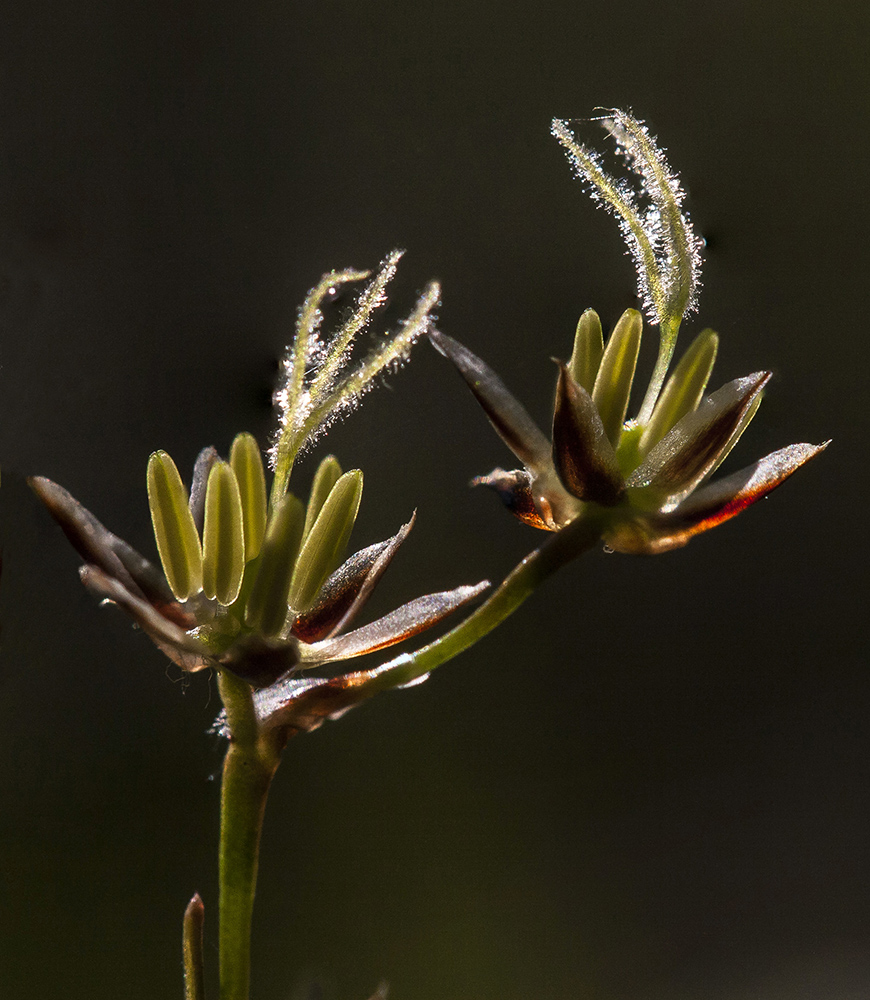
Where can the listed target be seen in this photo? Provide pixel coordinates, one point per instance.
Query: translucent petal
(266, 608)
(247, 464)
(727, 497)
(684, 389)
(509, 418)
(616, 373)
(327, 475)
(326, 541)
(300, 704)
(697, 444)
(582, 454)
(404, 622)
(303, 704)
(223, 540)
(711, 505)
(588, 350)
(174, 528)
(347, 589)
(98, 546)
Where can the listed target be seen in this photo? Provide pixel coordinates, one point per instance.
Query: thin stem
(249, 766)
(572, 541)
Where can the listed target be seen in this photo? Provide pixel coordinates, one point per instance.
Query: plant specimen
(258, 590)
(255, 585)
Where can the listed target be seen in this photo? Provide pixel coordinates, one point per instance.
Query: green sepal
(326, 541)
(174, 528)
(247, 464)
(267, 604)
(327, 475)
(616, 373)
(223, 536)
(588, 350)
(683, 390)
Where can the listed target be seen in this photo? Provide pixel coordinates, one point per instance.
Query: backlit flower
(647, 484)
(260, 587)
(265, 609)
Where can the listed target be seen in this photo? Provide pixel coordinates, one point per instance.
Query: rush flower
(645, 482)
(264, 602)
(647, 485)
(263, 588)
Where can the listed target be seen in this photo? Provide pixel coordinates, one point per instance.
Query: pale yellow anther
(247, 464)
(223, 537)
(326, 541)
(267, 604)
(174, 528)
(616, 373)
(684, 389)
(588, 350)
(327, 475)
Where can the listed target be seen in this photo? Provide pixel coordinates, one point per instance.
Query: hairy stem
(249, 766)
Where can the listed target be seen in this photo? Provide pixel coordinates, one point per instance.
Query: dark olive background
(653, 782)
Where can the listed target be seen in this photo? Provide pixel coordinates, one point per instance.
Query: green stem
(567, 544)
(249, 766)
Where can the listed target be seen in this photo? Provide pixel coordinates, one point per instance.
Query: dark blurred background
(653, 782)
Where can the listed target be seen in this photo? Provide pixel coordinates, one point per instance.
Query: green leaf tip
(174, 528)
(194, 977)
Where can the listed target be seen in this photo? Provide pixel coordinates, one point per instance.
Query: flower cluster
(262, 587)
(644, 483)
(647, 484)
(253, 591)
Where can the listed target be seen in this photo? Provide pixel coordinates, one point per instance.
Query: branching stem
(249, 767)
